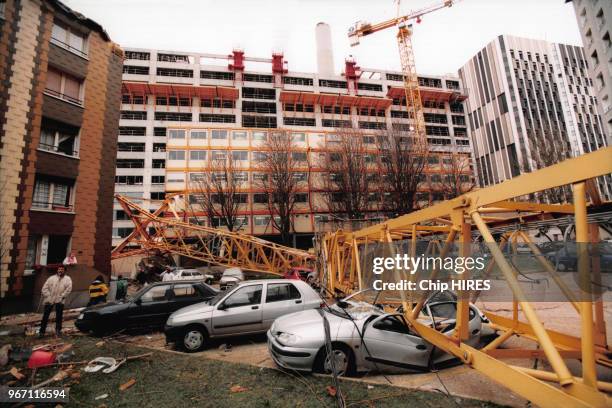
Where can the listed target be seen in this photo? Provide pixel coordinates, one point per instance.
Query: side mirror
(222, 306)
(138, 301)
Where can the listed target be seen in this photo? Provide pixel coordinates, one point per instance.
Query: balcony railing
(44, 205)
(69, 47)
(57, 149)
(64, 96)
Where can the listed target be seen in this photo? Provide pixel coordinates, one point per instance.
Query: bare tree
(279, 182)
(345, 179)
(403, 159)
(217, 192)
(457, 175)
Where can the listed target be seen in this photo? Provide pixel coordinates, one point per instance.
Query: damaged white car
(364, 337)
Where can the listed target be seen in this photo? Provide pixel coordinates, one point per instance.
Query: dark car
(149, 308)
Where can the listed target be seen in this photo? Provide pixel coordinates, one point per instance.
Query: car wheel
(561, 267)
(194, 339)
(343, 359)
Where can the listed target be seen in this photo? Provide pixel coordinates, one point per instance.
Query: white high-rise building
(531, 104)
(595, 23)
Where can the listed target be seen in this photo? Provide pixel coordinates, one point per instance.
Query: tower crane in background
(414, 104)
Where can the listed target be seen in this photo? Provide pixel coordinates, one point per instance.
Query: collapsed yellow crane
(414, 104)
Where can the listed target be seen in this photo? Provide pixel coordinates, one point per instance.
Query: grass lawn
(181, 380)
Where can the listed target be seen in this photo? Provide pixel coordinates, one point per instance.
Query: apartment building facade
(531, 104)
(182, 111)
(60, 86)
(595, 23)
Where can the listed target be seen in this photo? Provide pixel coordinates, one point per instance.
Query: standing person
(97, 291)
(70, 259)
(121, 288)
(54, 293)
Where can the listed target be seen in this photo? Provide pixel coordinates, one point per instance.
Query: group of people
(57, 288)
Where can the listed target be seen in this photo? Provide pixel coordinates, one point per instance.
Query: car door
(239, 312)
(150, 309)
(392, 345)
(281, 299)
(184, 294)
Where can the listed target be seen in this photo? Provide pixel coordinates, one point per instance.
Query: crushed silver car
(248, 307)
(364, 338)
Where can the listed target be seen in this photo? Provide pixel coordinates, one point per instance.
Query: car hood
(106, 308)
(307, 324)
(197, 309)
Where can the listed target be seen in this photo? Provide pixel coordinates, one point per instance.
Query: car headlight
(287, 339)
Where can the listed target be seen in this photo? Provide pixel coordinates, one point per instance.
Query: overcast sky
(443, 42)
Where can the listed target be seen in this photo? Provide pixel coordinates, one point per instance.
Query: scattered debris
(59, 376)
(127, 385)
(12, 330)
(370, 387)
(238, 388)
(100, 397)
(331, 390)
(4, 354)
(15, 372)
(100, 343)
(41, 358)
(99, 363)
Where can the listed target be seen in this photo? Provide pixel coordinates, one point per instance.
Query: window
(63, 86)
(435, 118)
(259, 107)
(437, 130)
(458, 120)
(328, 83)
(176, 177)
(257, 78)
(136, 70)
(372, 125)
(52, 195)
(219, 134)
(130, 163)
(173, 58)
(158, 179)
(132, 99)
(301, 197)
(298, 81)
(137, 55)
(217, 103)
(241, 176)
(184, 291)
(172, 101)
(176, 155)
(69, 38)
(129, 147)
(172, 72)
(176, 134)
(197, 155)
(240, 155)
(155, 294)
(129, 180)
(395, 77)
(159, 131)
(452, 84)
(430, 82)
(259, 156)
(369, 87)
(213, 118)
(260, 136)
(368, 139)
(260, 198)
(196, 178)
(198, 134)
(336, 123)
(258, 93)
(173, 116)
(310, 122)
(59, 138)
(239, 135)
(261, 220)
(218, 155)
(2, 7)
(299, 156)
(244, 296)
(394, 324)
(159, 164)
(132, 131)
(229, 76)
(158, 195)
(277, 292)
(298, 107)
(258, 121)
(134, 115)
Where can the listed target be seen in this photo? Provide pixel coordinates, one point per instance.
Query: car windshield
(217, 298)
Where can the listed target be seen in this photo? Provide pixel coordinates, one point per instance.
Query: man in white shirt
(54, 293)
